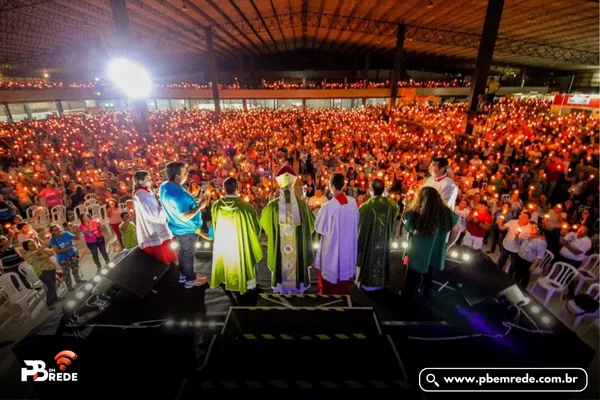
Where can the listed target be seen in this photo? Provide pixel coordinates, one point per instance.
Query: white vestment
(446, 188)
(150, 220)
(338, 247)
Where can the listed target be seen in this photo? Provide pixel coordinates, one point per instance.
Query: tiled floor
(16, 330)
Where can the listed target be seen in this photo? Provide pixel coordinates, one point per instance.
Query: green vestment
(236, 249)
(303, 249)
(375, 234)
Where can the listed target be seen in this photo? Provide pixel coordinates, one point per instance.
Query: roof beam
(290, 19)
(249, 24)
(278, 24)
(264, 24)
(338, 7)
(8, 5)
(226, 17)
(321, 7)
(304, 22)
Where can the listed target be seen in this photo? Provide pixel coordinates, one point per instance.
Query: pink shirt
(53, 197)
(96, 232)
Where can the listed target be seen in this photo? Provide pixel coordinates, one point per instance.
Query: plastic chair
(19, 295)
(123, 207)
(27, 270)
(59, 215)
(505, 198)
(77, 211)
(90, 196)
(543, 268)
(557, 280)
(90, 203)
(588, 272)
(594, 292)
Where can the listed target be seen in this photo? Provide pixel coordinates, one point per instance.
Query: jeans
(94, 248)
(187, 251)
(48, 278)
(504, 255)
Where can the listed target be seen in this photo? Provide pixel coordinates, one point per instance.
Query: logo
(37, 369)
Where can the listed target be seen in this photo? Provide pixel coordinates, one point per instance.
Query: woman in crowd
(153, 234)
(94, 238)
(428, 221)
(114, 215)
(67, 254)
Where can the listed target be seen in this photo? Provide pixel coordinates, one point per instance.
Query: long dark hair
(429, 212)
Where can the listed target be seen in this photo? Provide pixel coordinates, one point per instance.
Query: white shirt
(510, 242)
(338, 248)
(150, 220)
(446, 188)
(315, 201)
(462, 217)
(582, 244)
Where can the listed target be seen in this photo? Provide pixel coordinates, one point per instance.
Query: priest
(375, 235)
(236, 248)
(337, 225)
(289, 226)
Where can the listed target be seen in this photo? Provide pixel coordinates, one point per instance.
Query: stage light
(546, 319)
(535, 309)
(131, 78)
(96, 278)
(71, 303)
(198, 323)
(184, 323)
(104, 271)
(88, 286)
(79, 295)
(395, 245)
(315, 246)
(111, 264)
(466, 257)
(170, 322)
(405, 245)
(454, 254)
(174, 245)
(198, 245)
(97, 79)
(206, 245)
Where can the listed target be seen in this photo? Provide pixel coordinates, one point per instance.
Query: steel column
(212, 69)
(397, 63)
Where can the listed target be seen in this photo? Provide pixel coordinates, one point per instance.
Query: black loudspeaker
(137, 272)
(477, 278)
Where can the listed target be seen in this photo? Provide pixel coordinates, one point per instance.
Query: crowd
(523, 168)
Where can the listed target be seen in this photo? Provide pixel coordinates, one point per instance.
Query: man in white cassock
(440, 181)
(337, 225)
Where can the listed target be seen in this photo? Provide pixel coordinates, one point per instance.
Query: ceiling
(79, 34)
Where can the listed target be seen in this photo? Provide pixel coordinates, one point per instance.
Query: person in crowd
(478, 222)
(532, 250)
(492, 86)
(236, 249)
(7, 212)
(10, 259)
(462, 211)
(152, 232)
(514, 229)
(51, 196)
(39, 258)
(128, 231)
(440, 181)
(574, 246)
(428, 221)
(316, 202)
(114, 215)
(95, 241)
(289, 226)
(67, 255)
(375, 234)
(337, 225)
(183, 217)
(26, 232)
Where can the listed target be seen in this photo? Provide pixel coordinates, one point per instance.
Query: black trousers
(415, 281)
(520, 271)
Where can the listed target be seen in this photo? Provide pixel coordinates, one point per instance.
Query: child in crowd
(127, 228)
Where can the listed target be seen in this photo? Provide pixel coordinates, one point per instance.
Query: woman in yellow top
(39, 259)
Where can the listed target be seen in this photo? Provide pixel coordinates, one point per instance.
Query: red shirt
(473, 227)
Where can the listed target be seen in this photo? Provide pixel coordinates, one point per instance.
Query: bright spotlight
(454, 254)
(88, 286)
(405, 245)
(315, 246)
(71, 303)
(198, 323)
(466, 257)
(174, 245)
(394, 245)
(79, 295)
(170, 322)
(535, 309)
(184, 323)
(206, 245)
(546, 319)
(104, 271)
(96, 79)
(111, 264)
(198, 245)
(96, 278)
(131, 78)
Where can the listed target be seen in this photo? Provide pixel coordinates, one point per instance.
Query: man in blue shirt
(184, 221)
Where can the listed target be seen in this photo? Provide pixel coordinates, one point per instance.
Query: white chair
(91, 202)
(59, 215)
(594, 292)
(588, 272)
(90, 196)
(505, 198)
(123, 207)
(542, 269)
(28, 299)
(27, 270)
(557, 280)
(78, 211)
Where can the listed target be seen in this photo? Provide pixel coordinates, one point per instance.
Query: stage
(175, 341)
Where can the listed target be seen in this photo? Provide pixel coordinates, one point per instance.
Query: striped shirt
(531, 249)
(10, 258)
